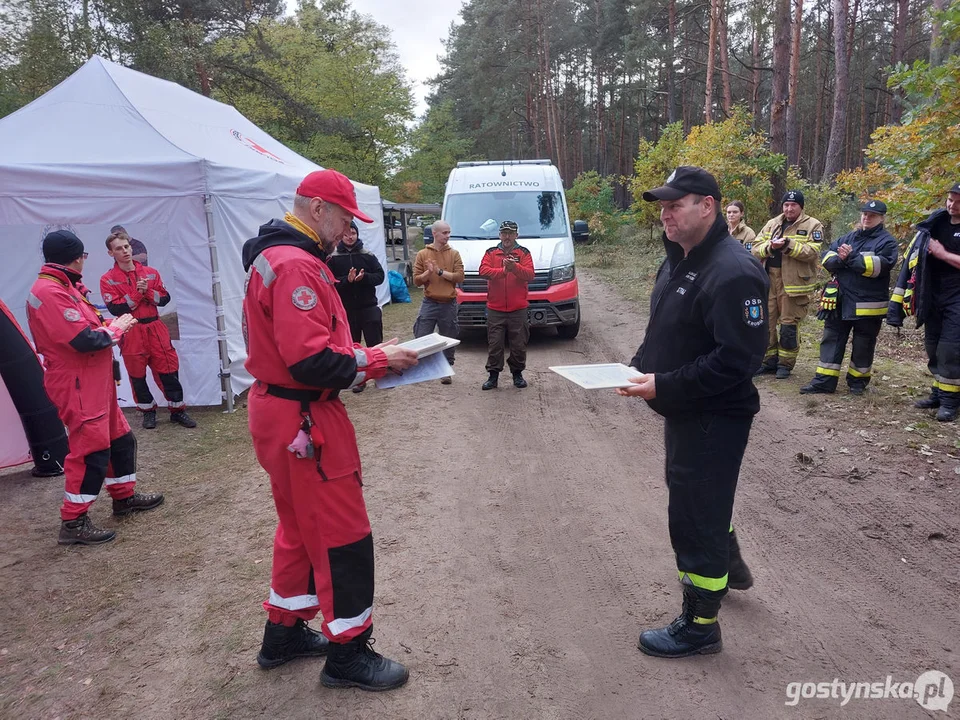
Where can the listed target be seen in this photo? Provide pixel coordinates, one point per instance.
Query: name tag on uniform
(801, 232)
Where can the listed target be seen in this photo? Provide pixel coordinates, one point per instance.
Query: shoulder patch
(72, 315)
(753, 311)
(304, 298)
(817, 235)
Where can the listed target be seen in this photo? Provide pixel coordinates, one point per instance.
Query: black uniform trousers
(368, 322)
(942, 341)
(834, 344)
(703, 457)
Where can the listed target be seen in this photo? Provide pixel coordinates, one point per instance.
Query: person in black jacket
(861, 262)
(706, 335)
(358, 273)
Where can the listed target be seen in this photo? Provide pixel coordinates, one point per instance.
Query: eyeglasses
(86, 255)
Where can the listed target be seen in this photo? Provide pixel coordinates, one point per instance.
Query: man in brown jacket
(437, 269)
(789, 248)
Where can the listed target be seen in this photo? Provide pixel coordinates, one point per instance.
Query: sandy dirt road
(521, 546)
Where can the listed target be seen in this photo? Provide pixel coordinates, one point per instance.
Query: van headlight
(564, 273)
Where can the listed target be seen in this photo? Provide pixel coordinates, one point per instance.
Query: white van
(482, 194)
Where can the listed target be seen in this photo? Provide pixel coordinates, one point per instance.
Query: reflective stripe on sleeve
(361, 357)
(262, 266)
(34, 301)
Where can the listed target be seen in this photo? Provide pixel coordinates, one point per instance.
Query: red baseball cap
(333, 187)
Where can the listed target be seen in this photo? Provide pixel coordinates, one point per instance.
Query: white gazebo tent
(189, 177)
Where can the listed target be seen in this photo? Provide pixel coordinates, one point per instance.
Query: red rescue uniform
(146, 344)
(507, 291)
(76, 347)
(301, 354)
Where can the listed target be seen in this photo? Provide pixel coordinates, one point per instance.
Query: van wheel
(569, 331)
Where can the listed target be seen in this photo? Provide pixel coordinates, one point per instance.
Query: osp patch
(753, 312)
(72, 315)
(817, 235)
(304, 298)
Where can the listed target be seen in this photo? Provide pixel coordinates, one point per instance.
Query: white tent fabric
(180, 172)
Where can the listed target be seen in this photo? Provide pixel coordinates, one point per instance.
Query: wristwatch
(440, 272)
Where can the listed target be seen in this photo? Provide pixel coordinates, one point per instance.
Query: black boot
(949, 408)
(491, 382)
(282, 644)
(688, 634)
(765, 369)
(813, 388)
(739, 576)
(783, 373)
(518, 381)
(150, 420)
(356, 664)
(929, 403)
(180, 417)
(138, 502)
(83, 532)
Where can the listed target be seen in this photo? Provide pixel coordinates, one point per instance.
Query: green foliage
(438, 144)
(912, 165)
(590, 198)
(738, 157)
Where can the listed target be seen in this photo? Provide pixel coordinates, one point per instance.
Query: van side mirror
(428, 235)
(581, 231)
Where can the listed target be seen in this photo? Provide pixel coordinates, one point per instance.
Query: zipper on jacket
(79, 396)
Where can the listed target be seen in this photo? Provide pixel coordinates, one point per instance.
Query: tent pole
(225, 386)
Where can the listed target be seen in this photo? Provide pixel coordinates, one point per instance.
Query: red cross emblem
(304, 298)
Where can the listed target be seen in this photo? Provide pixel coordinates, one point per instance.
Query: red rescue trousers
(323, 548)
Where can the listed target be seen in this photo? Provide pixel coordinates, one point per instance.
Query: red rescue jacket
(507, 291)
(118, 288)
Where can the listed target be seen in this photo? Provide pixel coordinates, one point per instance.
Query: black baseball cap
(509, 226)
(954, 189)
(685, 180)
(874, 206)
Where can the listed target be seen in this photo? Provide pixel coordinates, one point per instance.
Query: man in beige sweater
(437, 269)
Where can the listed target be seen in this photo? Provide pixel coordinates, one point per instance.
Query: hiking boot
(518, 381)
(491, 382)
(356, 664)
(814, 388)
(739, 576)
(929, 403)
(83, 532)
(446, 381)
(180, 417)
(150, 420)
(695, 632)
(783, 373)
(359, 388)
(282, 644)
(764, 370)
(138, 502)
(857, 390)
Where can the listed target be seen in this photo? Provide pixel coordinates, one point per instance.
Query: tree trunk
(755, 75)
(937, 51)
(781, 86)
(841, 86)
(712, 43)
(896, 56)
(725, 62)
(671, 59)
(793, 150)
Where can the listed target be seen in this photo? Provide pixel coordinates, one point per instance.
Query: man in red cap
(76, 345)
(131, 287)
(300, 352)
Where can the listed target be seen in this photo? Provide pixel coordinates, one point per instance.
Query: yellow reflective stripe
(829, 255)
(896, 298)
(704, 621)
(827, 371)
(803, 289)
(868, 265)
(913, 261)
(947, 387)
(702, 582)
(869, 312)
(858, 373)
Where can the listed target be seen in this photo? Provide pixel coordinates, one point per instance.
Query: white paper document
(432, 367)
(598, 377)
(429, 344)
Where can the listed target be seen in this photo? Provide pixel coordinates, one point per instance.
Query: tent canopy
(180, 171)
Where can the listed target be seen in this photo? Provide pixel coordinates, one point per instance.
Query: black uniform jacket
(708, 328)
(362, 294)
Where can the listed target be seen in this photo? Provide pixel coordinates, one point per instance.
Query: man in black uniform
(856, 301)
(706, 335)
(933, 261)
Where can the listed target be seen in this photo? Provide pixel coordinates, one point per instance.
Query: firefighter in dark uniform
(855, 300)
(929, 288)
(707, 333)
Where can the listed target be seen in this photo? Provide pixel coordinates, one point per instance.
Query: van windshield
(477, 216)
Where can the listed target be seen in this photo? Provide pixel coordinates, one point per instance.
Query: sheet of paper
(598, 377)
(432, 367)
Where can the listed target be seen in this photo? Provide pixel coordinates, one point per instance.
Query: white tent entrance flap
(188, 177)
